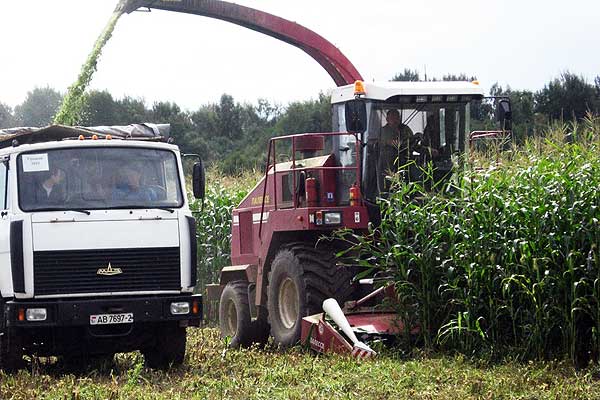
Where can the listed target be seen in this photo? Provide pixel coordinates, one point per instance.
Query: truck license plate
(106, 319)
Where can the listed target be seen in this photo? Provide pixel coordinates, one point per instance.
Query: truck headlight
(36, 314)
(180, 308)
(332, 218)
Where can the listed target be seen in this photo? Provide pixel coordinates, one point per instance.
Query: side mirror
(199, 180)
(504, 114)
(356, 116)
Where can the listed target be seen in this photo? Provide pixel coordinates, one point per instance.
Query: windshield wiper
(139, 207)
(86, 212)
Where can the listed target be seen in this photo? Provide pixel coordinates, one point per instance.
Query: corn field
(213, 222)
(504, 261)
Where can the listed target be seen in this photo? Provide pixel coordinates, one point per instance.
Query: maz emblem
(109, 271)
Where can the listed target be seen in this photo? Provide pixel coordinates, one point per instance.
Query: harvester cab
(408, 126)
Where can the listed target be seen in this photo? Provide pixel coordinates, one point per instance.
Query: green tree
(205, 120)
(408, 75)
(99, 109)
(267, 111)
(229, 118)
(567, 97)
(7, 119)
(39, 107)
(458, 77)
(170, 113)
(306, 116)
(130, 111)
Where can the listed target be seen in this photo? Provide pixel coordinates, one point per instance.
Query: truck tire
(11, 351)
(301, 278)
(169, 348)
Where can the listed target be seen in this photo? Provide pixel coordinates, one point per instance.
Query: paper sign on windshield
(35, 162)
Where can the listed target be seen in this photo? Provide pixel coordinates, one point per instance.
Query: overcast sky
(192, 60)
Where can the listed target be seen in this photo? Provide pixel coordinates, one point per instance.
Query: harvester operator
(394, 144)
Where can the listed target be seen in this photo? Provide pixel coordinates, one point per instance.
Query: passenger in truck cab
(129, 185)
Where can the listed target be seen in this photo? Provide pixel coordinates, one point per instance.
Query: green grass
(211, 371)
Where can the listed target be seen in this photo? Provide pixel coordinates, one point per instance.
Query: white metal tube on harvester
(332, 308)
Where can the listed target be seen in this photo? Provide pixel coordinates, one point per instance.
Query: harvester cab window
(410, 138)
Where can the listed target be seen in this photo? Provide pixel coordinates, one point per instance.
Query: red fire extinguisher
(354, 195)
(312, 195)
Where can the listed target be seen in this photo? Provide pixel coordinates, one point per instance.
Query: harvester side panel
(279, 226)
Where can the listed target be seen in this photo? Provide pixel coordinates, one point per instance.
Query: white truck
(97, 245)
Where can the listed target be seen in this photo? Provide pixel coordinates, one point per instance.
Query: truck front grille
(87, 271)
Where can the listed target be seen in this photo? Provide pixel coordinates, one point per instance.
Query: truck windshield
(98, 178)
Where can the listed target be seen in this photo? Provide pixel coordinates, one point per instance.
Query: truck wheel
(11, 351)
(234, 314)
(301, 278)
(169, 348)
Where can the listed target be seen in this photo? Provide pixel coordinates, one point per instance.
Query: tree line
(235, 134)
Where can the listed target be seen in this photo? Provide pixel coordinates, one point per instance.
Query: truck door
(5, 275)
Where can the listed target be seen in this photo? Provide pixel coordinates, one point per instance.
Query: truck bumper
(77, 312)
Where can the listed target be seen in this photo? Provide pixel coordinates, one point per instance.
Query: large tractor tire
(235, 320)
(169, 349)
(301, 278)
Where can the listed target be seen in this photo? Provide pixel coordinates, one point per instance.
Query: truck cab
(97, 246)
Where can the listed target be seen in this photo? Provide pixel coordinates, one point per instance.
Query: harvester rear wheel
(301, 278)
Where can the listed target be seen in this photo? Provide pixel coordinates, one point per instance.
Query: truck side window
(3, 185)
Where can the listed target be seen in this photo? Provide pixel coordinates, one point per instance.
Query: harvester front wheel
(235, 320)
(301, 277)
